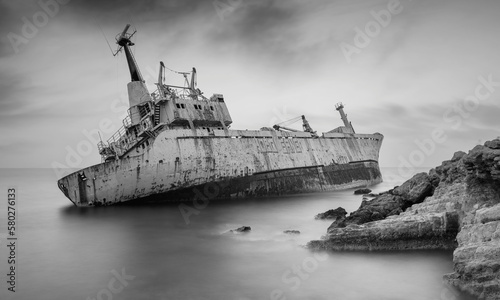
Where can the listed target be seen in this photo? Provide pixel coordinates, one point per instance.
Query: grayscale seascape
(249, 150)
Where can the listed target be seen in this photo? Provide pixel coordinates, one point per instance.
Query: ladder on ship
(157, 114)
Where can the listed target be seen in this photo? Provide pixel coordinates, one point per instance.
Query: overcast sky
(411, 71)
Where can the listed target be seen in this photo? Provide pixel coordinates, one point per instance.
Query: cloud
(262, 54)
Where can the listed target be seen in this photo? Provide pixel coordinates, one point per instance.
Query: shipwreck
(176, 144)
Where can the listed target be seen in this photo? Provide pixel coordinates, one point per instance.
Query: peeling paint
(254, 164)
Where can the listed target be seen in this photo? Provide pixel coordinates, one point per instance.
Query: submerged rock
(455, 206)
(291, 232)
(242, 229)
(362, 191)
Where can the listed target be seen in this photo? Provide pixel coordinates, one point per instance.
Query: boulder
(494, 144)
(291, 232)
(332, 214)
(362, 191)
(390, 203)
(458, 156)
(415, 190)
(483, 162)
(372, 210)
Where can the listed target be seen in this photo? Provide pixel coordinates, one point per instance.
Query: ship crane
(190, 85)
(305, 125)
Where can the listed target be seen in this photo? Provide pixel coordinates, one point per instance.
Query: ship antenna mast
(123, 40)
(340, 107)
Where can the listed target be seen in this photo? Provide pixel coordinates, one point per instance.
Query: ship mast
(124, 41)
(340, 107)
(138, 93)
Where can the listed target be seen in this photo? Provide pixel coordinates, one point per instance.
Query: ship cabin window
(178, 105)
(211, 108)
(183, 106)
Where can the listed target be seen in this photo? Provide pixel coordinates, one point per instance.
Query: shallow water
(65, 252)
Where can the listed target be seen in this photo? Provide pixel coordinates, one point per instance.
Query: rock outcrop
(455, 206)
(390, 203)
(408, 232)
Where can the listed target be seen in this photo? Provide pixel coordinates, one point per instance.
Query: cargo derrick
(305, 125)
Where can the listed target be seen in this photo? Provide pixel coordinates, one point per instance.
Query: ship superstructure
(176, 145)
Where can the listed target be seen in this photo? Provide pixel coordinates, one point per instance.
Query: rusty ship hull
(177, 145)
(234, 164)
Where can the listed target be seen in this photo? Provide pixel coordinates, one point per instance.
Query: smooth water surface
(157, 252)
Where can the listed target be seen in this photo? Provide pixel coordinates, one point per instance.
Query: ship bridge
(169, 107)
(186, 106)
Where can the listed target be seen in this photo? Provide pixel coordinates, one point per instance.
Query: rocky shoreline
(454, 206)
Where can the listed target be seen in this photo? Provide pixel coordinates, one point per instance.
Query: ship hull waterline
(185, 168)
(267, 184)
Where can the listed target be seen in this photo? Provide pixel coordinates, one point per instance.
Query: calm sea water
(154, 252)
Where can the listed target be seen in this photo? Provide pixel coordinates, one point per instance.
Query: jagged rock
(461, 195)
(362, 191)
(458, 156)
(291, 232)
(395, 212)
(242, 229)
(495, 144)
(477, 258)
(332, 214)
(482, 162)
(416, 189)
(429, 231)
(450, 170)
(391, 203)
(376, 209)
